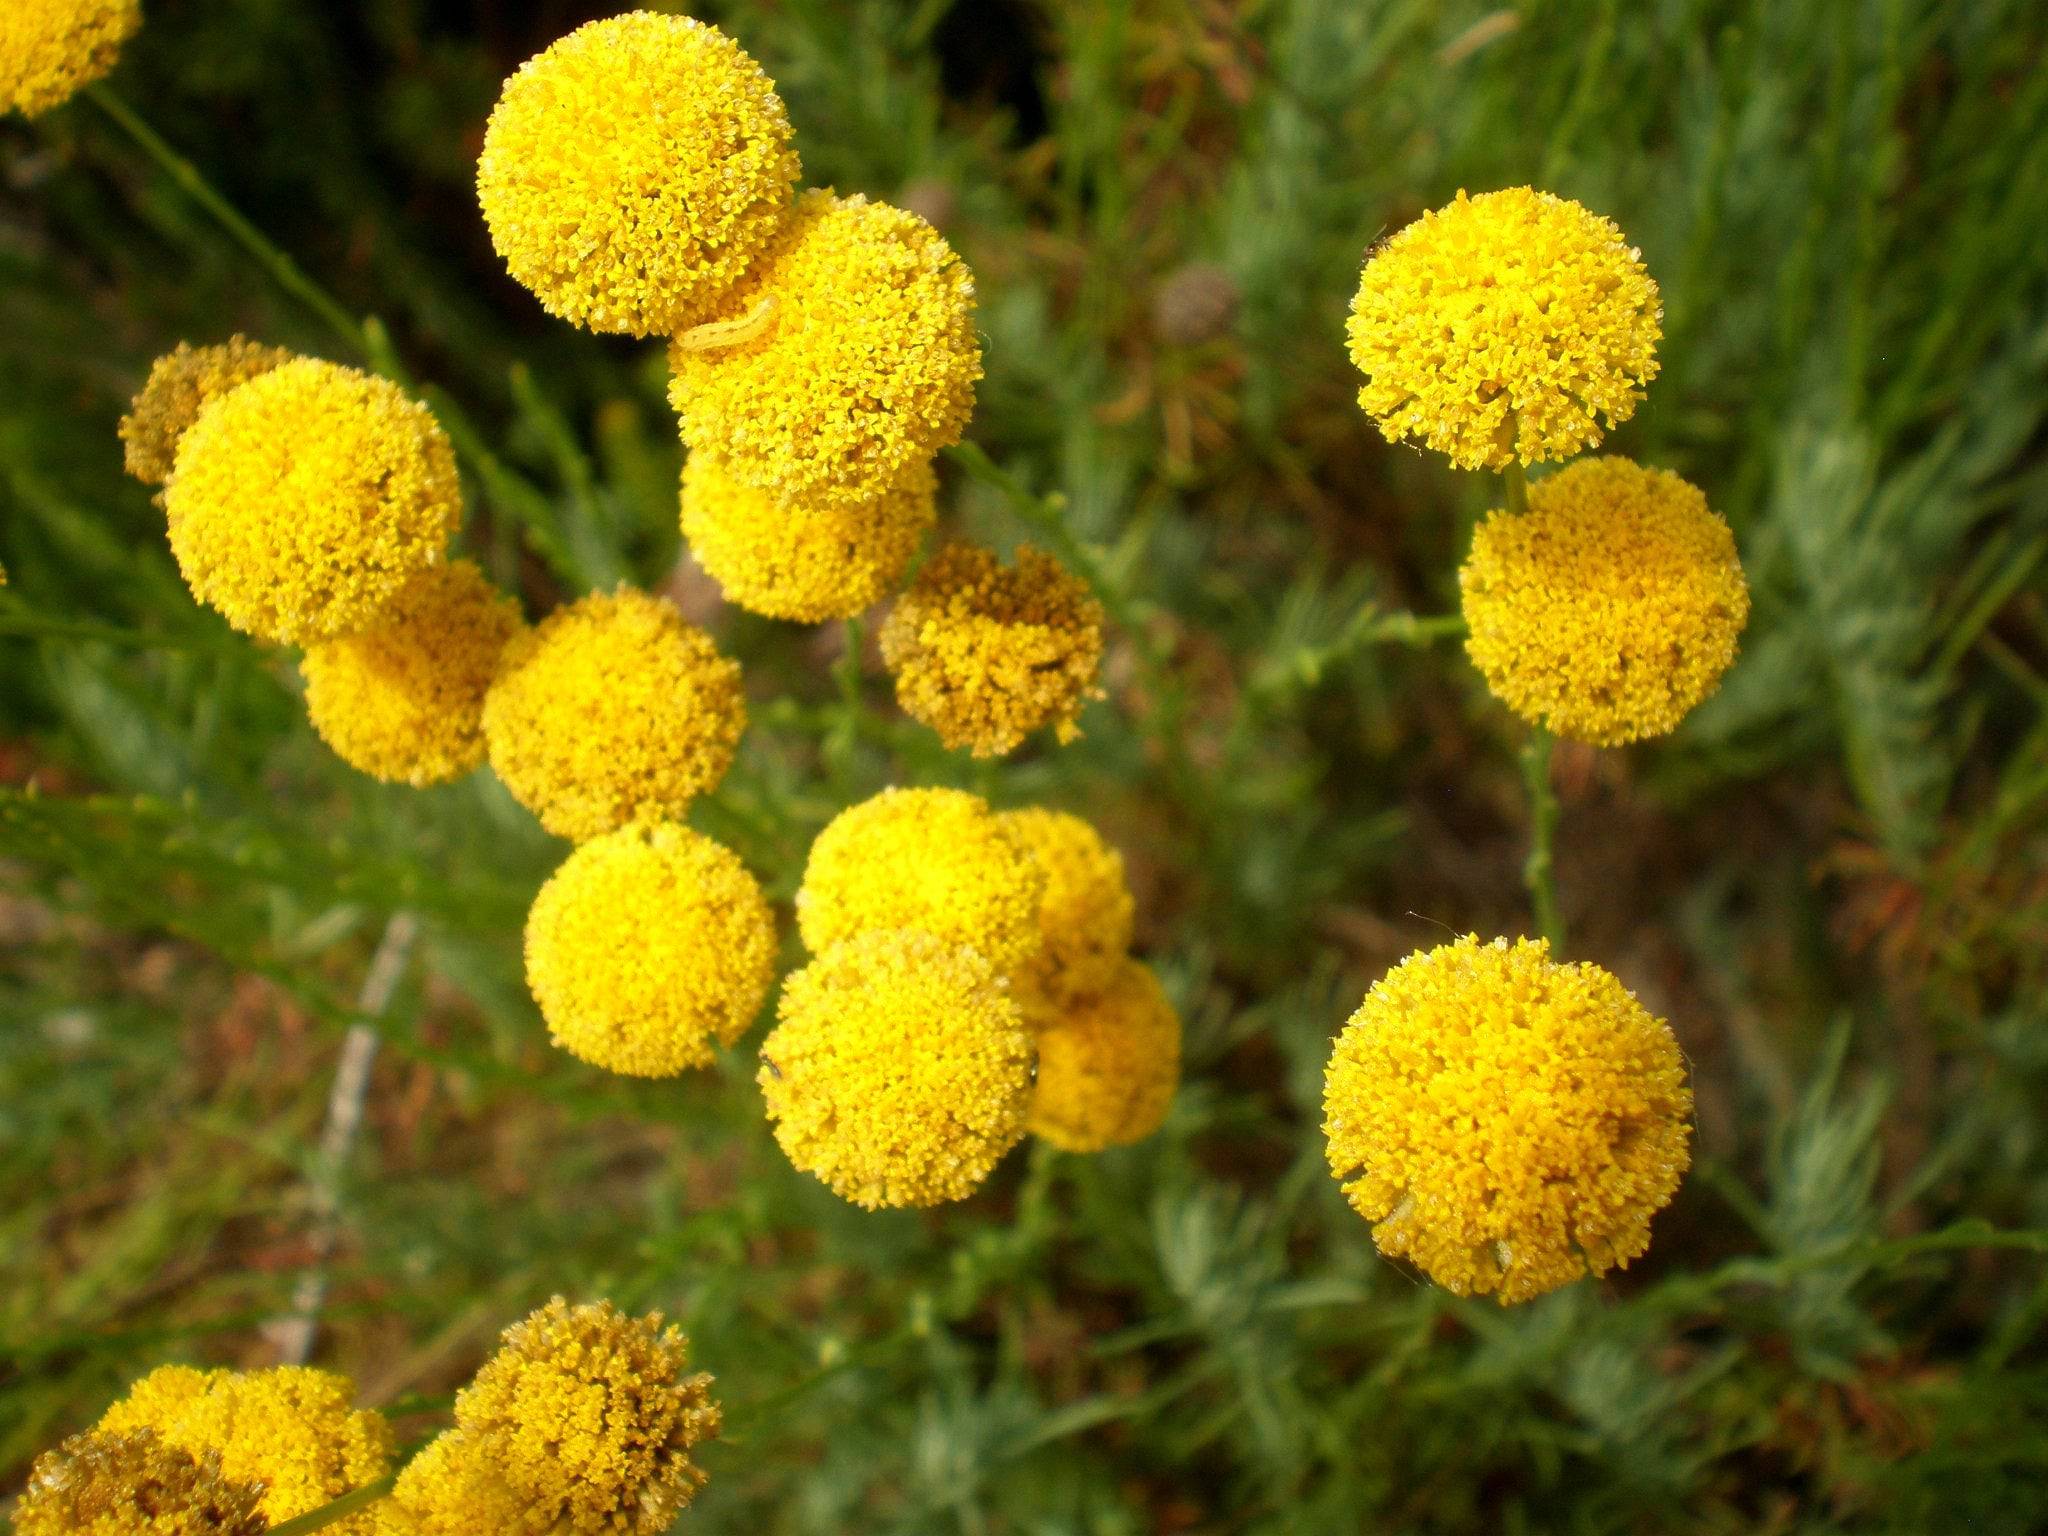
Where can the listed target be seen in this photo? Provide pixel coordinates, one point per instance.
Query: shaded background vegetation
(1831, 881)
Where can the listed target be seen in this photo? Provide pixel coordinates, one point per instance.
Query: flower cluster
(50, 50)
(133, 1484)
(179, 386)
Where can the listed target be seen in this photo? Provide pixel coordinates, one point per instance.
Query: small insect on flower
(985, 656)
(1085, 916)
(1108, 1064)
(803, 563)
(1611, 608)
(50, 50)
(302, 502)
(900, 1072)
(1506, 1122)
(612, 710)
(1505, 327)
(453, 1488)
(180, 385)
(588, 1417)
(634, 170)
(132, 1484)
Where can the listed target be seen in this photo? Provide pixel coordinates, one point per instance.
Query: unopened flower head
(303, 501)
(455, 1488)
(1611, 608)
(1505, 327)
(612, 710)
(648, 945)
(986, 655)
(1505, 1122)
(589, 1417)
(900, 1071)
(133, 1484)
(403, 700)
(1108, 1064)
(634, 170)
(852, 358)
(805, 563)
(180, 385)
(50, 50)
(1084, 918)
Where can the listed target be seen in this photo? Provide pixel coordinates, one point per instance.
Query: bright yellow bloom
(291, 1429)
(900, 1071)
(633, 171)
(802, 563)
(612, 710)
(301, 502)
(647, 945)
(588, 1417)
(453, 1488)
(931, 859)
(1084, 918)
(985, 655)
(133, 1485)
(1108, 1064)
(403, 701)
(851, 359)
(52, 49)
(180, 385)
(1611, 608)
(1503, 327)
(1506, 1122)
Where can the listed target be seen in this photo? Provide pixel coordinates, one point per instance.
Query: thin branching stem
(328, 1514)
(1538, 872)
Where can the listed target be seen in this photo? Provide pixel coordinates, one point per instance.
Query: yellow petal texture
(1085, 915)
(454, 1488)
(52, 49)
(132, 1484)
(1108, 1064)
(180, 384)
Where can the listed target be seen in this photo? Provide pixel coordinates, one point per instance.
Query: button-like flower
(1108, 1064)
(133, 1484)
(1084, 918)
(180, 385)
(50, 50)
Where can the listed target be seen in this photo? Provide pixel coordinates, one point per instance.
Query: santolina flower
(1084, 917)
(647, 945)
(403, 701)
(900, 1071)
(453, 1488)
(1505, 327)
(853, 358)
(50, 50)
(985, 656)
(1506, 1122)
(930, 859)
(612, 710)
(301, 502)
(1108, 1064)
(1611, 608)
(633, 170)
(797, 562)
(133, 1484)
(588, 1417)
(180, 384)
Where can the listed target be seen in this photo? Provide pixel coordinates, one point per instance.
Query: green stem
(340, 1509)
(1538, 874)
(1518, 487)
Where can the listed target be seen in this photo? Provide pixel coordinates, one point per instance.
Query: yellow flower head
(454, 1488)
(133, 1484)
(1502, 327)
(633, 170)
(612, 710)
(1108, 1064)
(900, 1071)
(292, 1430)
(1611, 608)
(985, 655)
(586, 1413)
(648, 944)
(800, 562)
(52, 49)
(1084, 918)
(855, 358)
(301, 502)
(1506, 1122)
(180, 385)
(931, 859)
(403, 701)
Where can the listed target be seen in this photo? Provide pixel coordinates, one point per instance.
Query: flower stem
(1538, 873)
(1517, 487)
(340, 1509)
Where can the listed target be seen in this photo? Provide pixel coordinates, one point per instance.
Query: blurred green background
(1831, 881)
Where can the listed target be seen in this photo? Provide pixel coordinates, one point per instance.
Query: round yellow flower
(1504, 327)
(633, 171)
(453, 1488)
(301, 502)
(852, 358)
(586, 1413)
(985, 656)
(293, 1430)
(1084, 918)
(133, 1485)
(647, 945)
(900, 1071)
(50, 50)
(1506, 1122)
(1108, 1064)
(179, 387)
(1611, 608)
(403, 701)
(612, 710)
(802, 563)
(930, 859)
